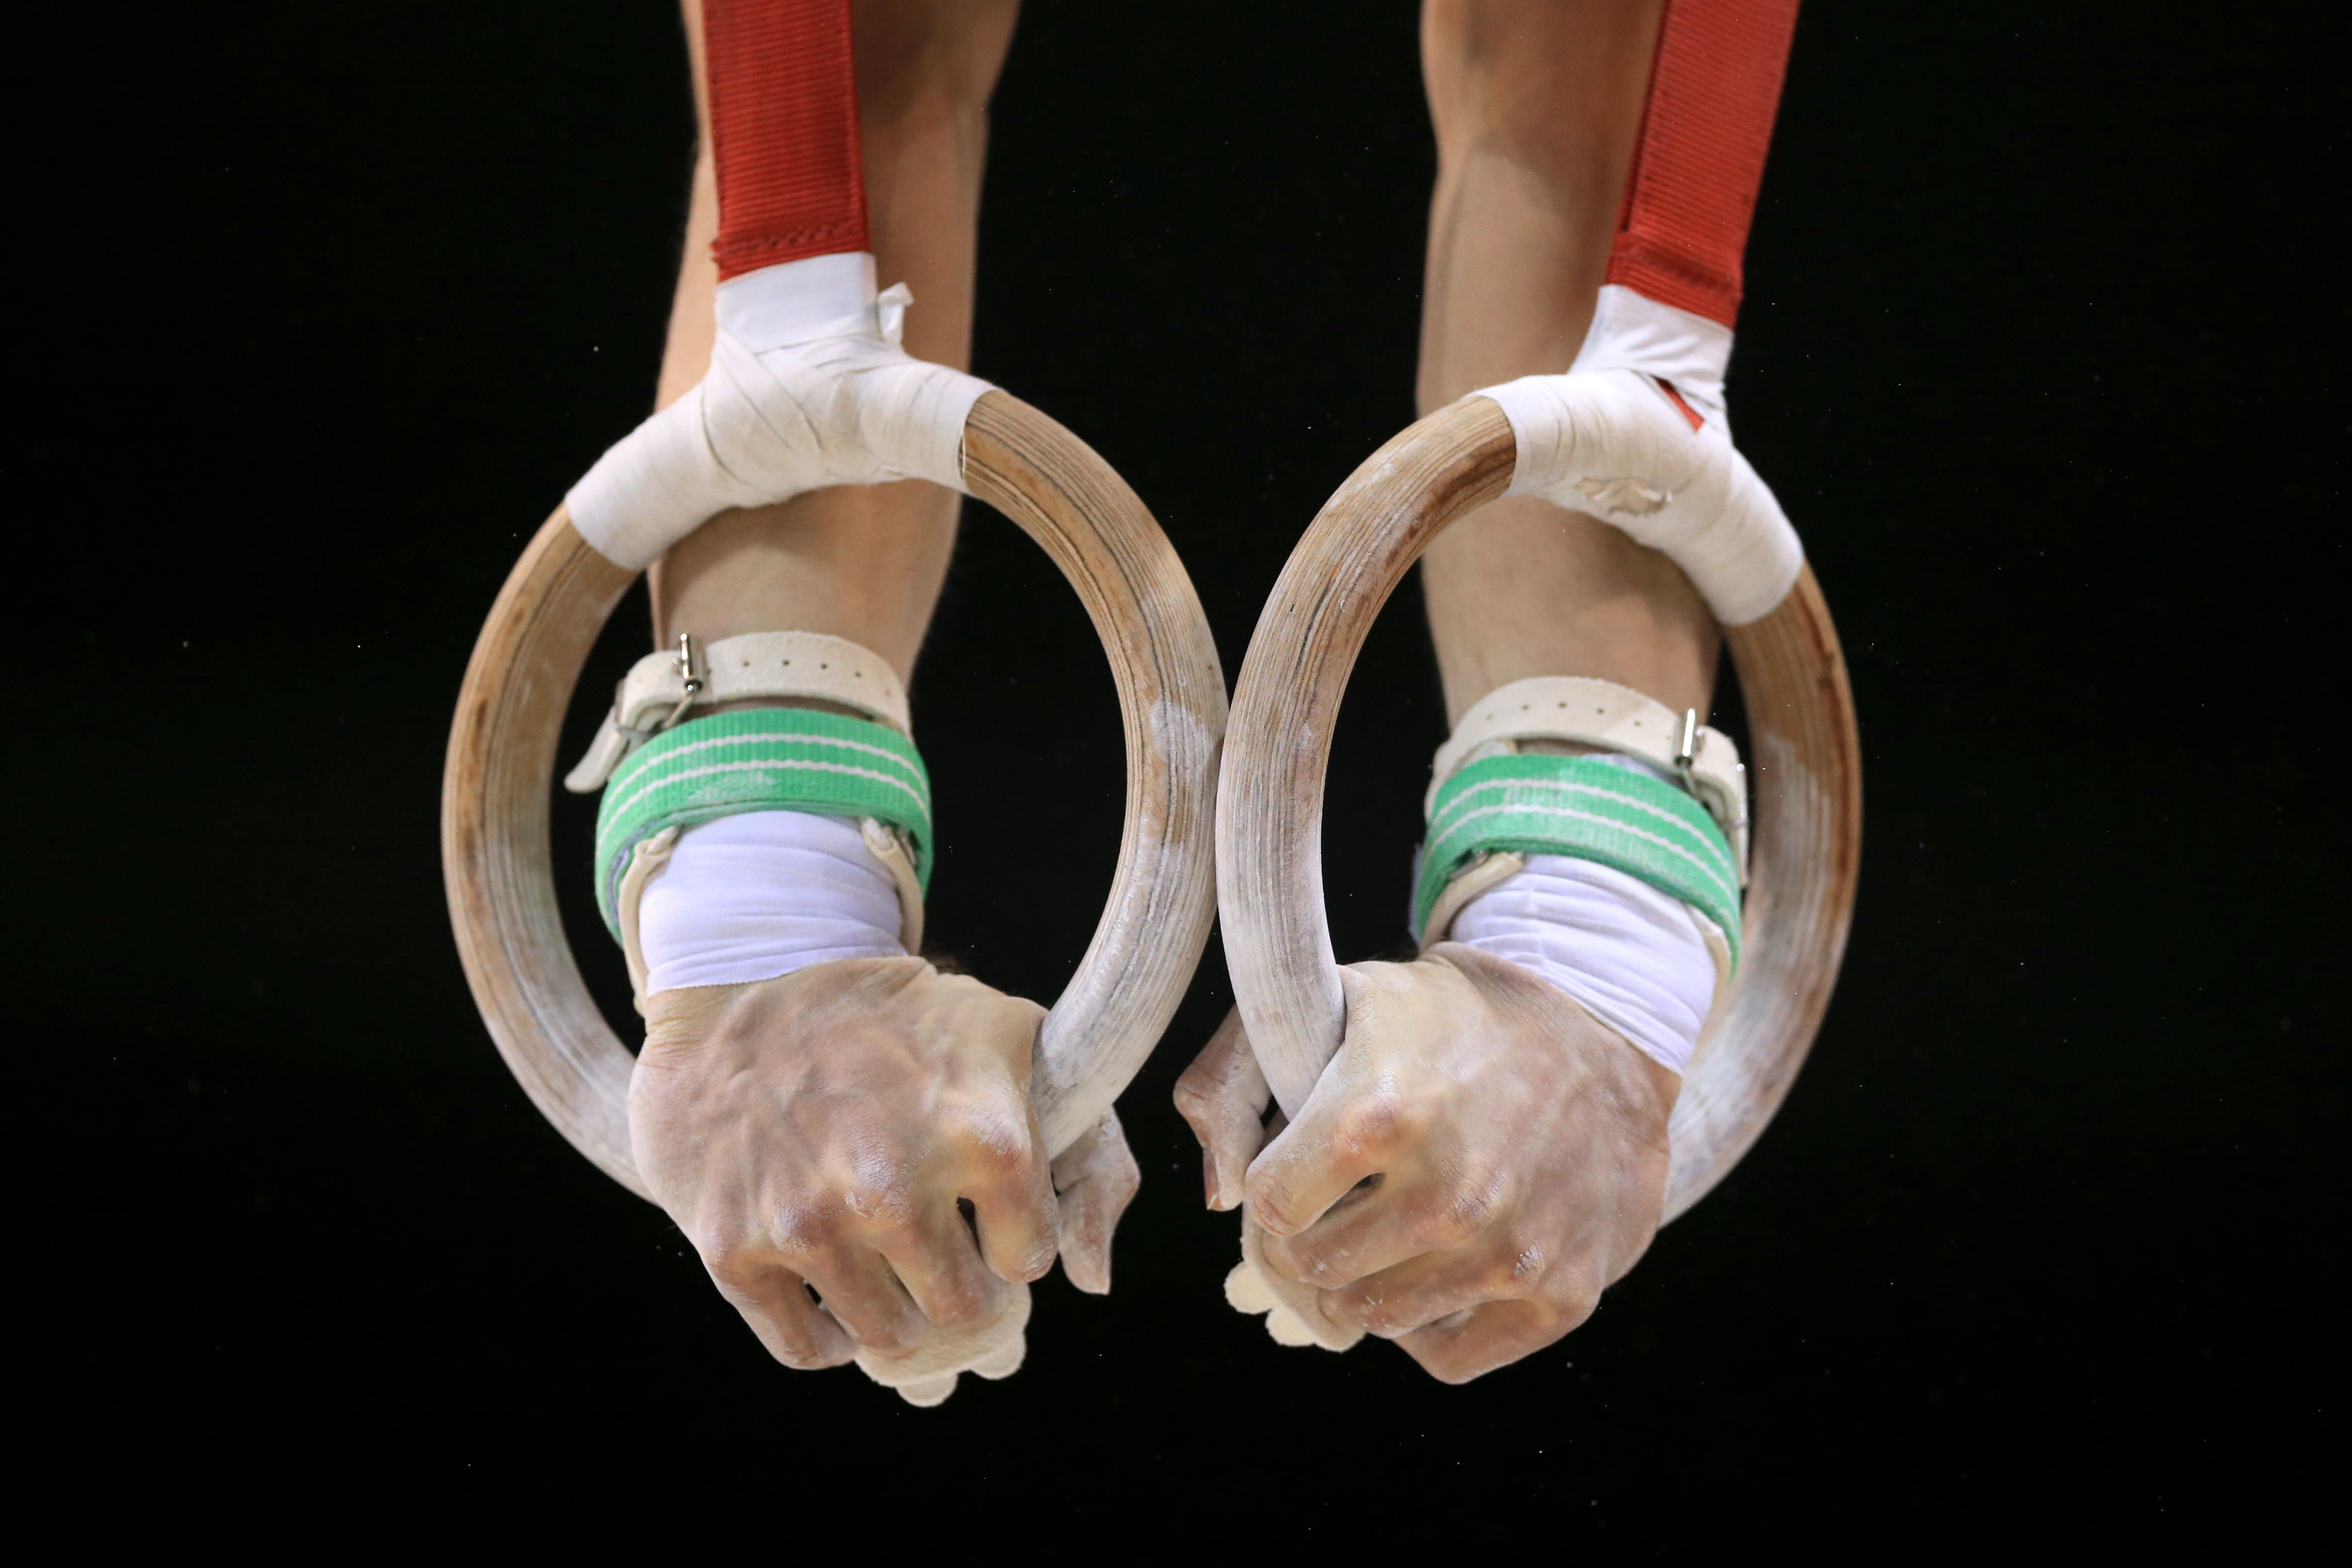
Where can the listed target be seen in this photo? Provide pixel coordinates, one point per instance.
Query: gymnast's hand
(863, 1128)
(1477, 1163)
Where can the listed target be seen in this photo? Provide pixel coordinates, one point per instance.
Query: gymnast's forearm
(1579, 914)
(864, 562)
(1538, 106)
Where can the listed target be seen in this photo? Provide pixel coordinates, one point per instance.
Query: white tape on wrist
(1613, 440)
(807, 388)
(1612, 444)
(1639, 961)
(763, 894)
(1633, 332)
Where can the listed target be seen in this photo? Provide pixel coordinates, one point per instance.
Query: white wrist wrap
(754, 896)
(1633, 332)
(807, 388)
(1608, 441)
(1637, 959)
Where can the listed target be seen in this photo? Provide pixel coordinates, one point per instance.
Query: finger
(864, 1295)
(938, 1260)
(1224, 1096)
(1421, 1290)
(1343, 1135)
(1457, 1349)
(1095, 1179)
(776, 1304)
(1401, 1220)
(1005, 1178)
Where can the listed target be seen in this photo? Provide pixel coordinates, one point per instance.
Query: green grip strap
(760, 759)
(1586, 809)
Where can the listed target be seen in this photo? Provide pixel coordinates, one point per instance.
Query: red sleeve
(784, 132)
(1690, 195)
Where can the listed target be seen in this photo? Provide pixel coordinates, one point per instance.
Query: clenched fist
(863, 1129)
(1477, 1163)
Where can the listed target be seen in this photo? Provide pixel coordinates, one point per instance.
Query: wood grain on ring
(1806, 777)
(496, 856)
(1171, 696)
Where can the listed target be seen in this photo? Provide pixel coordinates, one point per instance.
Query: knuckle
(1572, 1299)
(880, 1199)
(881, 1335)
(1195, 1087)
(792, 1342)
(1376, 1314)
(1450, 1367)
(1293, 1257)
(961, 1304)
(1272, 1206)
(804, 1230)
(731, 1259)
(1035, 1264)
(877, 1324)
(1469, 1209)
(993, 1141)
(1382, 1118)
(1197, 1103)
(1505, 1271)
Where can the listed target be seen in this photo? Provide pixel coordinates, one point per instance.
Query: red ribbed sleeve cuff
(1690, 197)
(784, 132)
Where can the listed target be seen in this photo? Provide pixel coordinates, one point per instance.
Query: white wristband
(764, 893)
(1632, 956)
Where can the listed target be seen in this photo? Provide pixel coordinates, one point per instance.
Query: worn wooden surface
(1171, 696)
(1806, 775)
(495, 856)
(501, 765)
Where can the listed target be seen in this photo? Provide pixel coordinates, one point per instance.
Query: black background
(320, 309)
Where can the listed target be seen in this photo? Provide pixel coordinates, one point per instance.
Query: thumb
(1096, 1177)
(1224, 1096)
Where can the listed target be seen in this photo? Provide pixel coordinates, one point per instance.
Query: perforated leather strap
(766, 758)
(1585, 808)
(770, 666)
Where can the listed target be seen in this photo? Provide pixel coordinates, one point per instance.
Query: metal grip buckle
(693, 682)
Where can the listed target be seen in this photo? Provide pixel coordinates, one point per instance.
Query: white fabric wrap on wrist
(807, 388)
(1633, 332)
(1607, 440)
(1639, 961)
(763, 894)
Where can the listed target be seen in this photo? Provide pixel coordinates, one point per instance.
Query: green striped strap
(760, 759)
(1587, 808)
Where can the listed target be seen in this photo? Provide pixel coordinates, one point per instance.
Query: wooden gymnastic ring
(1806, 774)
(494, 799)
